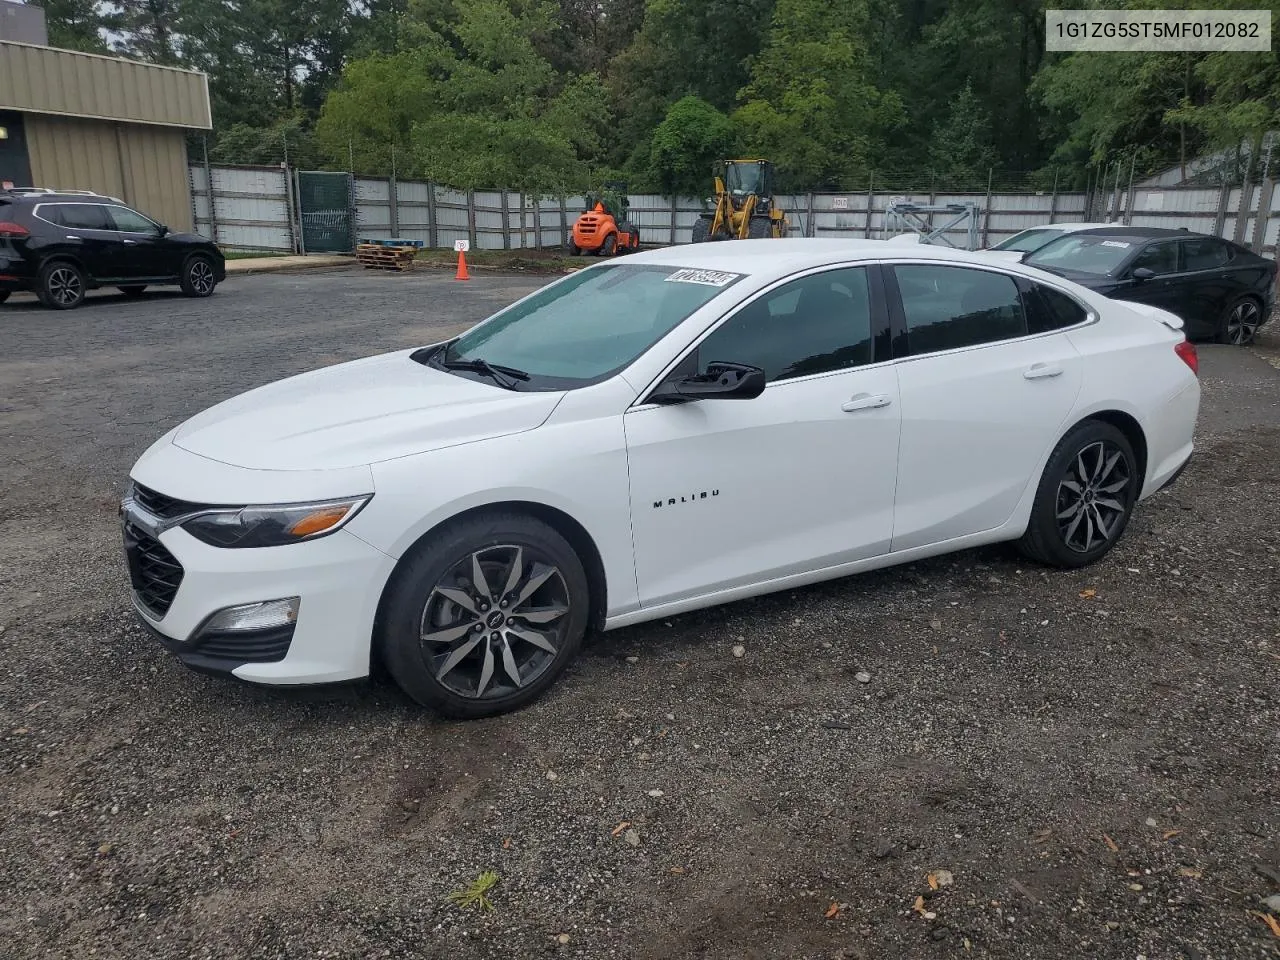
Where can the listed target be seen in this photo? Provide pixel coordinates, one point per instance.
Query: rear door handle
(1038, 371)
(132, 243)
(866, 401)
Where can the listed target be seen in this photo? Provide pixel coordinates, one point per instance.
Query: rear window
(1028, 240)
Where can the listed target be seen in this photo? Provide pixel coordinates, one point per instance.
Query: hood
(358, 413)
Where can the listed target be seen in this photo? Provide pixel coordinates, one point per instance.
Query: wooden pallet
(378, 257)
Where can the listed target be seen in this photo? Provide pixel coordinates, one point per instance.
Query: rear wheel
(574, 250)
(197, 276)
(61, 285)
(485, 615)
(609, 246)
(1240, 322)
(133, 291)
(702, 229)
(1085, 497)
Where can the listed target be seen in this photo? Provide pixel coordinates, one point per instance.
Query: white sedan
(682, 428)
(1033, 238)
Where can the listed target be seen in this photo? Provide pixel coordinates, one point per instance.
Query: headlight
(273, 526)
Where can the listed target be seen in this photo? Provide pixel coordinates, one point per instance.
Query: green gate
(324, 207)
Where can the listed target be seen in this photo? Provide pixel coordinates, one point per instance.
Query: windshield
(1083, 254)
(743, 178)
(1028, 240)
(590, 325)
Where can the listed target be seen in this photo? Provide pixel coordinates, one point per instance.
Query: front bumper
(338, 580)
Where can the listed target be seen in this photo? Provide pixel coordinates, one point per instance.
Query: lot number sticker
(462, 246)
(1115, 243)
(709, 278)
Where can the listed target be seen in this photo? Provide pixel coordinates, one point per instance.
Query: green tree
(75, 24)
(286, 140)
(148, 29)
(811, 105)
(960, 150)
(686, 146)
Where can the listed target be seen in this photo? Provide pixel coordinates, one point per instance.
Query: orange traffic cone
(462, 267)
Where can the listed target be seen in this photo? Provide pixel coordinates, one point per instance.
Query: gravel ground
(1085, 762)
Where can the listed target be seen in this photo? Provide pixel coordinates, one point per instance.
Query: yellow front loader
(745, 208)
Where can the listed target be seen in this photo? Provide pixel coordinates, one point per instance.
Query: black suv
(61, 244)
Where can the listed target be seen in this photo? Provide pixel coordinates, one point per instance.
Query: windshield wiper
(503, 376)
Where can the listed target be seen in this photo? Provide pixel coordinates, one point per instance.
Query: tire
(759, 228)
(424, 599)
(61, 285)
(4, 295)
(610, 245)
(1085, 457)
(1240, 322)
(702, 229)
(197, 276)
(134, 291)
(575, 250)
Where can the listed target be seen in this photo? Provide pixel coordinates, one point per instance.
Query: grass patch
(253, 254)
(522, 261)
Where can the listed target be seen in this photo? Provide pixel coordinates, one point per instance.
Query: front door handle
(76, 239)
(1038, 371)
(866, 401)
(132, 243)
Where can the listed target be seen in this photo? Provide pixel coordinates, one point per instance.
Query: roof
(781, 256)
(35, 79)
(44, 195)
(1119, 230)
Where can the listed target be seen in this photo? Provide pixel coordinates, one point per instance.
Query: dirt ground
(1084, 763)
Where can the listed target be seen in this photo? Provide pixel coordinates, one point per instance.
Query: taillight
(1187, 351)
(12, 231)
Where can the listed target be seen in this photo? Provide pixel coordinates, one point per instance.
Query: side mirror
(722, 381)
(1142, 274)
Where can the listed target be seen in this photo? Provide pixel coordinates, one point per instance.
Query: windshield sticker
(708, 278)
(1116, 243)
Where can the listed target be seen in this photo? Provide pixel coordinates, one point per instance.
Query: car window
(593, 323)
(1049, 309)
(1028, 240)
(812, 325)
(130, 221)
(950, 307)
(1205, 254)
(1160, 258)
(77, 216)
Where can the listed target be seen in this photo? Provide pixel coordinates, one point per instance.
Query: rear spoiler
(1170, 320)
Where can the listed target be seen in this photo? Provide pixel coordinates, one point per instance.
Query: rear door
(85, 231)
(987, 381)
(1212, 283)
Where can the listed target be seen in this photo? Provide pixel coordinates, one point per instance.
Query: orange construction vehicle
(603, 228)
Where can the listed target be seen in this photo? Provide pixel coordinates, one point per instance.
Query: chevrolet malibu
(688, 427)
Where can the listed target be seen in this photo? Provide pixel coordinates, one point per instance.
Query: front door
(1168, 289)
(140, 253)
(726, 493)
(984, 394)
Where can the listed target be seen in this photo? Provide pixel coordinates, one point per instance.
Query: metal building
(79, 121)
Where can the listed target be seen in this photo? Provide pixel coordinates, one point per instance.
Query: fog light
(267, 615)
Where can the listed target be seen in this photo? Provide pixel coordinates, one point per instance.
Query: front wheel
(1240, 322)
(760, 228)
(702, 229)
(61, 285)
(485, 615)
(197, 277)
(609, 246)
(1085, 497)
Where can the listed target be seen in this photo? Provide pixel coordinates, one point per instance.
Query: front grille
(261, 646)
(164, 507)
(154, 572)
